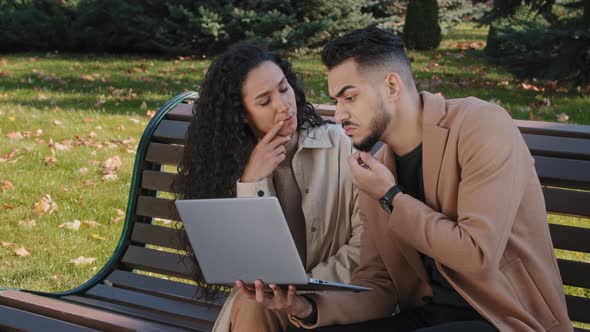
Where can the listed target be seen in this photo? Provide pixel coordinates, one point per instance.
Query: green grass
(102, 96)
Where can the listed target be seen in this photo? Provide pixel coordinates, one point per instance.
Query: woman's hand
(286, 301)
(267, 155)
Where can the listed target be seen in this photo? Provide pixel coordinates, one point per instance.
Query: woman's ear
(394, 85)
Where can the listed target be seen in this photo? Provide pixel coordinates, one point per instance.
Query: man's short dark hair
(368, 47)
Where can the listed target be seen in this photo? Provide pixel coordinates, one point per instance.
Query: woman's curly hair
(218, 142)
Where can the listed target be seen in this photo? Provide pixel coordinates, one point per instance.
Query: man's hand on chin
(369, 175)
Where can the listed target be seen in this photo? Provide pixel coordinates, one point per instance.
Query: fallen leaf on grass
(74, 225)
(110, 177)
(28, 224)
(90, 223)
(120, 216)
(57, 123)
(14, 135)
(22, 252)
(112, 165)
(82, 260)
(6, 185)
(151, 113)
(50, 160)
(7, 244)
(143, 105)
(563, 118)
(88, 183)
(44, 206)
(97, 237)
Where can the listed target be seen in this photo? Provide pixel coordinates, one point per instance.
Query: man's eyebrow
(344, 88)
(267, 92)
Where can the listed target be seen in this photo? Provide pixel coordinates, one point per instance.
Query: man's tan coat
(484, 223)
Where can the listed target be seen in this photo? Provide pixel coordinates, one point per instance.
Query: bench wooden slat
(570, 238)
(166, 154)
(170, 131)
(560, 147)
(150, 260)
(157, 235)
(574, 273)
(160, 181)
(568, 202)
(567, 173)
(173, 322)
(182, 112)
(553, 129)
(161, 305)
(148, 206)
(19, 320)
(77, 314)
(175, 290)
(578, 308)
(168, 237)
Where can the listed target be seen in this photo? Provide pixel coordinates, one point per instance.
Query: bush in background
(422, 30)
(542, 46)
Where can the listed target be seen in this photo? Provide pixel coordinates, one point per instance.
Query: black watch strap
(392, 192)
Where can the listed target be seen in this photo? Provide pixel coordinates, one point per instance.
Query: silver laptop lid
(242, 239)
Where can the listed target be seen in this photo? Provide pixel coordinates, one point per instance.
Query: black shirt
(411, 181)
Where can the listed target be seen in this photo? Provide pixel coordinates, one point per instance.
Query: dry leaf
(44, 206)
(90, 223)
(22, 252)
(88, 183)
(6, 185)
(7, 244)
(98, 237)
(38, 132)
(110, 177)
(50, 160)
(563, 118)
(82, 260)
(134, 120)
(57, 123)
(14, 135)
(83, 170)
(28, 224)
(143, 105)
(151, 113)
(74, 225)
(88, 120)
(120, 216)
(111, 165)
(120, 128)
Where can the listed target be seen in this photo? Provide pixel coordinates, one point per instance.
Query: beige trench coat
(329, 203)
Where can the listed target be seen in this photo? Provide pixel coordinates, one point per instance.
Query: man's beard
(378, 126)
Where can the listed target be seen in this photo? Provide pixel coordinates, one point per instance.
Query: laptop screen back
(242, 239)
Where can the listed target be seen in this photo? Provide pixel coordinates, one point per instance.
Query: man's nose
(341, 115)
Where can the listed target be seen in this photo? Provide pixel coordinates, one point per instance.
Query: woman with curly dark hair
(254, 134)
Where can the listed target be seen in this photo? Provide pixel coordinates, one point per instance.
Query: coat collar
(434, 141)
(313, 138)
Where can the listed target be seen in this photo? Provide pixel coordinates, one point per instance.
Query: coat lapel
(434, 141)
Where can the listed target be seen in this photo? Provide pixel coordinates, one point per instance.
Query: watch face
(385, 205)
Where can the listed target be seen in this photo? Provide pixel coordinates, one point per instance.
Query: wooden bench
(122, 297)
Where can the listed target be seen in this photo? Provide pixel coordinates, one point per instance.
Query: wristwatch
(386, 201)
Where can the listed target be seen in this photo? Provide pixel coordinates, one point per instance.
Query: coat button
(313, 229)
(260, 193)
(307, 190)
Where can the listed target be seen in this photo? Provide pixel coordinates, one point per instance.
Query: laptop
(247, 239)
